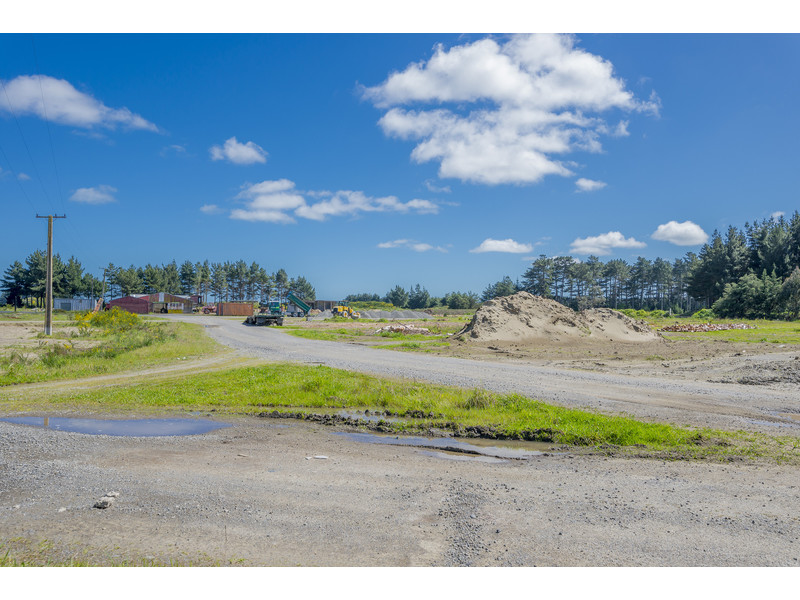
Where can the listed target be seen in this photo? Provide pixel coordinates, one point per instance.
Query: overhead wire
(25, 143)
(52, 147)
(47, 123)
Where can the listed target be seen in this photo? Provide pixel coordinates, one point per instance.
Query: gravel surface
(254, 494)
(285, 493)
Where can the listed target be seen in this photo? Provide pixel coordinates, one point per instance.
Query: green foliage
(750, 297)
(371, 305)
(504, 287)
(461, 300)
(704, 313)
(790, 293)
(397, 296)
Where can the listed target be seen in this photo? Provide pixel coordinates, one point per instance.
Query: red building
(139, 306)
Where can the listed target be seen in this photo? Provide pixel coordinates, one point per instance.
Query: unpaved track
(728, 406)
(254, 491)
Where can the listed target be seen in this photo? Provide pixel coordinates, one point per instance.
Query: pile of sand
(523, 316)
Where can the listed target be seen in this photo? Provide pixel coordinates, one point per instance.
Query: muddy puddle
(457, 449)
(122, 427)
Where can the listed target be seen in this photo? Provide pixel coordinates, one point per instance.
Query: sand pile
(524, 316)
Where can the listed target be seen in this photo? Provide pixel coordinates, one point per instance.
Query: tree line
(24, 283)
(752, 272)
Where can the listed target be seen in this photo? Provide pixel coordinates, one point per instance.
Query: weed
(479, 398)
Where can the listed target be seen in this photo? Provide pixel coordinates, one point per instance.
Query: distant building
(324, 305)
(73, 304)
(160, 302)
(131, 304)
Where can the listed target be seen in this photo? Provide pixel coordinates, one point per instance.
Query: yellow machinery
(342, 310)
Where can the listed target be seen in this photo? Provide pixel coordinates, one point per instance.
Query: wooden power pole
(48, 301)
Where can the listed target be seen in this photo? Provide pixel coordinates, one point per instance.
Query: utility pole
(48, 301)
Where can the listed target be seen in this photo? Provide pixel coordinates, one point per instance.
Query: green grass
(155, 343)
(295, 388)
(774, 332)
(438, 329)
(31, 315)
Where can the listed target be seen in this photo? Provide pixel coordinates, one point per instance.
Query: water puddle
(494, 449)
(464, 457)
(126, 428)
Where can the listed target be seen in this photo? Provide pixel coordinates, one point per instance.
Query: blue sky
(363, 161)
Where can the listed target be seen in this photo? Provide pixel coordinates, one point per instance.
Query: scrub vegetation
(100, 343)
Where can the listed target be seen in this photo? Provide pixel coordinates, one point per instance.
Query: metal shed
(132, 304)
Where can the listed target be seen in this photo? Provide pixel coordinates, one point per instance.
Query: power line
(16, 176)
(47, 122)
(25, 143)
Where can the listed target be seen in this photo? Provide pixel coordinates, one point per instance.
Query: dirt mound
(524, 316)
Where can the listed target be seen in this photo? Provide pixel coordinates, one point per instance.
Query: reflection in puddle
(127, 428)
(485, 448)
(464, 457)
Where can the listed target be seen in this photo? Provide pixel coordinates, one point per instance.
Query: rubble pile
(402, 328)
(703, 327)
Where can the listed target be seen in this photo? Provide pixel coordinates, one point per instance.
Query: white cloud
(240, 154)
(279, 202)
(210, 209)
(680, 234)
(509, 245)
(445, 189)
(64, 104)
(23, 176)
(589, 185)
(505, 113)
(101, 194)
(777, 215)
(602, 244)
(412, 245)
(176, 149)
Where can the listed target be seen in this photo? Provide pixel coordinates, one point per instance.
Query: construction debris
(703, 327)
(402, 328)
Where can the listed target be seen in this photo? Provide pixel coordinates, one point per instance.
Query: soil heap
(523, 316)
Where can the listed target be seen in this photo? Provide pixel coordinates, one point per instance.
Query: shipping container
(235, 309)
(73, 304)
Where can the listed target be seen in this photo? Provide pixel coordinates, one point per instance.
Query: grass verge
(302, 391)
(107, 347)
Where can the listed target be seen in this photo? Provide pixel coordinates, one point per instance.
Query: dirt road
(770, 409)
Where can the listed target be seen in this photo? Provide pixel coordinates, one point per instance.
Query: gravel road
(729, 406)
(254, 494)
(284, 493)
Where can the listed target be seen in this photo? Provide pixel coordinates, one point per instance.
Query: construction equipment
(271, 313)
(297, 302)
(342, 310)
